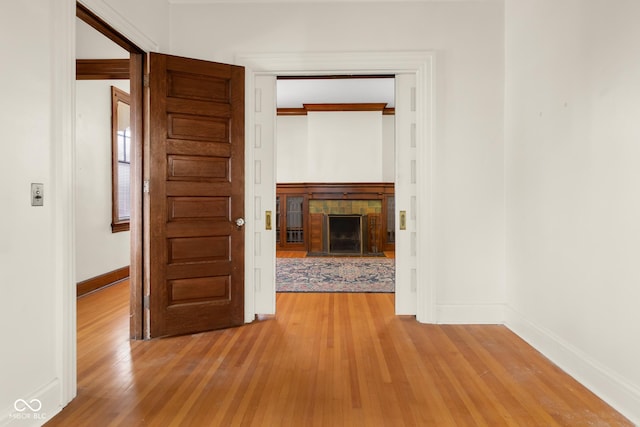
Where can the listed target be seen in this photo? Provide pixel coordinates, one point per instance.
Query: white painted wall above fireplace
(345, 146)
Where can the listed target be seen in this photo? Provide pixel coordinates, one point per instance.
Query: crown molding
(379, 106)
(337, 107)
(186, 2)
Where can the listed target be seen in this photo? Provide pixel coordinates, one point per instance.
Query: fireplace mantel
(347, 191)
(375, 200)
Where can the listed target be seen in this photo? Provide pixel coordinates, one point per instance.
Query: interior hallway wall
(468, 177)
(27, 252)
(34, 254)
(573, 205)
(98, 250)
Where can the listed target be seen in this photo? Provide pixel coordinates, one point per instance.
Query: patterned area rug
(335, 274)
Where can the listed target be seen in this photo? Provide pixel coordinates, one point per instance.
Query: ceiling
(292, 93)
(90, 44)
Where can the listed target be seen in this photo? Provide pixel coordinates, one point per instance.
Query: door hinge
(145, 302)
(145, 80)
(145, 186)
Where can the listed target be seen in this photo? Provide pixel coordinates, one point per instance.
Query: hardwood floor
(303, 254)
(323, 360)
(291, 254)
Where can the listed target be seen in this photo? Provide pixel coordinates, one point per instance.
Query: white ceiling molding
(324, 1)
(335, 63)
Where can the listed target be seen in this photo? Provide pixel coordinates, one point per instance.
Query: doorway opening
(335, 179)
(413, 196)
(107, 63)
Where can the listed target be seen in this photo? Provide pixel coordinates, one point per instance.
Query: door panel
(196, 192)
(406, 195)
(262, 196)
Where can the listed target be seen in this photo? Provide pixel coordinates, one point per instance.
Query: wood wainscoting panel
(374, 233)
(316, 227)
(101, 281)
(353, 197)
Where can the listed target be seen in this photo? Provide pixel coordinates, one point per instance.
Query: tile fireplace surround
(343, 207)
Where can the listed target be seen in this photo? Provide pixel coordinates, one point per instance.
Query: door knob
(239, 222)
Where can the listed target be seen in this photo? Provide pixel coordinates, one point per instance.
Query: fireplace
(345, 234)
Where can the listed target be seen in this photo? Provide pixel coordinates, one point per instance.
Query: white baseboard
(606, 384)
(36, 409)
(455, 314)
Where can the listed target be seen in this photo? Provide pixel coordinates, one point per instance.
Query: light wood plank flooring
(324, 360)
(303, 254)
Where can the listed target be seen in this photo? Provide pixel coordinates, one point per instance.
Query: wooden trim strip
(292, 112)
(390, 111)
(102, 69)
(136, 89)
(107, 30)
(378, 106)
(335, 191)
(102, 281)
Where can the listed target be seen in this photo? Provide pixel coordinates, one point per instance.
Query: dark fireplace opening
(345, 234)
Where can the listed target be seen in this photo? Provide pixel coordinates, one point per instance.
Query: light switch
(37, 194)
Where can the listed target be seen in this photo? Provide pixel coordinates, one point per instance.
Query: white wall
(388, 148)
(28, 319)
(98, 250)
(468, 176)
(573, 205)
(345, 146)
(36, 266)
(291, 148)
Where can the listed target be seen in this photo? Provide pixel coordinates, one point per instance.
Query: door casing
(268, 66)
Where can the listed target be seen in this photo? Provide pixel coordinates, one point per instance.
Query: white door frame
(420, 63)
(63, 174)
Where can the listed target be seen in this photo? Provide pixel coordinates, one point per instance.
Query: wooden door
(195, 159)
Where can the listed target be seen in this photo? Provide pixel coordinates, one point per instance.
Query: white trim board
(420, 63)
(44, 404)
(608, 385)
(314, 1)
(476, 314)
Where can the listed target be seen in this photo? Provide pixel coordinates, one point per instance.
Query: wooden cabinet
(291, 221)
